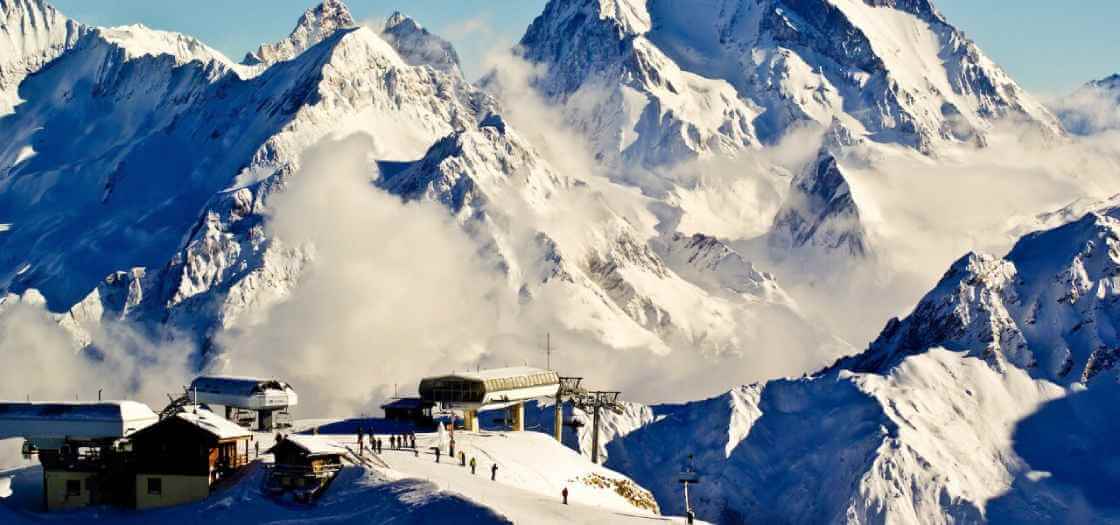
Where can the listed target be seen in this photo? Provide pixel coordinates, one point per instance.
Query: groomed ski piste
(395, 486)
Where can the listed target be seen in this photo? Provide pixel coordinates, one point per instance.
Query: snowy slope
(657, 81)
(399, 487)
(32, 33)
(971, 409)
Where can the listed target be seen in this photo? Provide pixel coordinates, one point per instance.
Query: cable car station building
(268, 398)
(499, 388)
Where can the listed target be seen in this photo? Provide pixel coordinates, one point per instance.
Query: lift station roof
(74, 420)
(490, 388)
(244, 392)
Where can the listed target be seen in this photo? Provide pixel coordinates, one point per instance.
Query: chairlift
(574, 422)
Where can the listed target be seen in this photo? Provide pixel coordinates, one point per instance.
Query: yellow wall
(54, 482)
(176, 490)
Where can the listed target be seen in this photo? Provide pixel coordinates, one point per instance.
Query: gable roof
(313, 445)
(216, 426)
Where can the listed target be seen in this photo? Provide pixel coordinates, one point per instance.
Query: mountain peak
(418, 47)
(317, 24)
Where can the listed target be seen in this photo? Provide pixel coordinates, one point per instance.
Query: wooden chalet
(180, 458)
(305, 465)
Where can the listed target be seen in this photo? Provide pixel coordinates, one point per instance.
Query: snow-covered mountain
(1094, 108)
(656, 81)
(970, 409)
(197, 257)
(156, 106)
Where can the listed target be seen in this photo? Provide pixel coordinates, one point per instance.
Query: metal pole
(687, 505)
(595, 436)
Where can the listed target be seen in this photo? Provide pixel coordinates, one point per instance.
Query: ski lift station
(47, 425)
(267, 398)
(78, 444)
(495, 389)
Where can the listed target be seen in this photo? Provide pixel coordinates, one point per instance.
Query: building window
(155, 486)
(73, 487)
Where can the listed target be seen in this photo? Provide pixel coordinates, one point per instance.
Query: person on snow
(462, 458)
(564, 494)
(393, 442)
(494, 472)
(473, 465)
(437, 454)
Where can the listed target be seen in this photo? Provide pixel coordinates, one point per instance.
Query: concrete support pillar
(517, 415)
(558, 419)
(470, 420)
(265, 423)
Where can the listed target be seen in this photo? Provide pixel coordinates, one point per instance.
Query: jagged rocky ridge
(654, 82)
(968, 410)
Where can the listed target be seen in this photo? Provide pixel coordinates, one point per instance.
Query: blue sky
(1049, 46)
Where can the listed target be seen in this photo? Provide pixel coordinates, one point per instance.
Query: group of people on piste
(408, 441)
(376, 445)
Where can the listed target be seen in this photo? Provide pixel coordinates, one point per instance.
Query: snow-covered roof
(92, 419)
(90, 410)
(503, 373)
(315, 445)
(234, 385)
(490, 387)
(219, 426)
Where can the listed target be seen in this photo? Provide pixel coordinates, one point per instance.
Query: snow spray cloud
(395, 290)
(43, 362)
(922, 213)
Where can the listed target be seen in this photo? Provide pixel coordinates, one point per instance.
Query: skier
(473, 465)
(494, 472)
(462, 459)
(393, 442)
(564, 493)
(437, 454)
